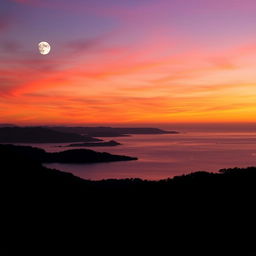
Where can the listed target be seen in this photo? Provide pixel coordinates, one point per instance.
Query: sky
(127, 61)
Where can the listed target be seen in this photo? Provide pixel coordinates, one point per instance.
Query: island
(110, 143)
(67, 156)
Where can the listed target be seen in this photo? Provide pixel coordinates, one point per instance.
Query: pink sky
(128, 61)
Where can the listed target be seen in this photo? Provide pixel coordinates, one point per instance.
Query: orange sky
(129, 72)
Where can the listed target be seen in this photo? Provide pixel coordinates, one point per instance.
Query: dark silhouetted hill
(49, 212)
(39, 135)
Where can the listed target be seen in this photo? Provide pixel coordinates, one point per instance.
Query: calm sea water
(163, 156)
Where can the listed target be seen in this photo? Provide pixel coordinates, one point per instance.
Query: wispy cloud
(11, 46)
(5, 22)
(81, 45)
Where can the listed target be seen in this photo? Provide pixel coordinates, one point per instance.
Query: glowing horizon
(127, 61)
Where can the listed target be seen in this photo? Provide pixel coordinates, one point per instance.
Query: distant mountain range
(40, 135)
(111, 131)
(14, 134)
(8, 125)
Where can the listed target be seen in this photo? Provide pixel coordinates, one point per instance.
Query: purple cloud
(11, 46)
(4, 22)
(85, 44)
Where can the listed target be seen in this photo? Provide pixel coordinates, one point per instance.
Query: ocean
(196, 148)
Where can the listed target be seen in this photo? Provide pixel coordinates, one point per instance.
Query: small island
(110, 143)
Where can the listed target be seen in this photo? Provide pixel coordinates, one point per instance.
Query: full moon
(44, 48)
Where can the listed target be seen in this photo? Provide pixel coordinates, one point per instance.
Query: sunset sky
(130, 61)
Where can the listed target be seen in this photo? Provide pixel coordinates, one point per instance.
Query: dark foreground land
(49, 212)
